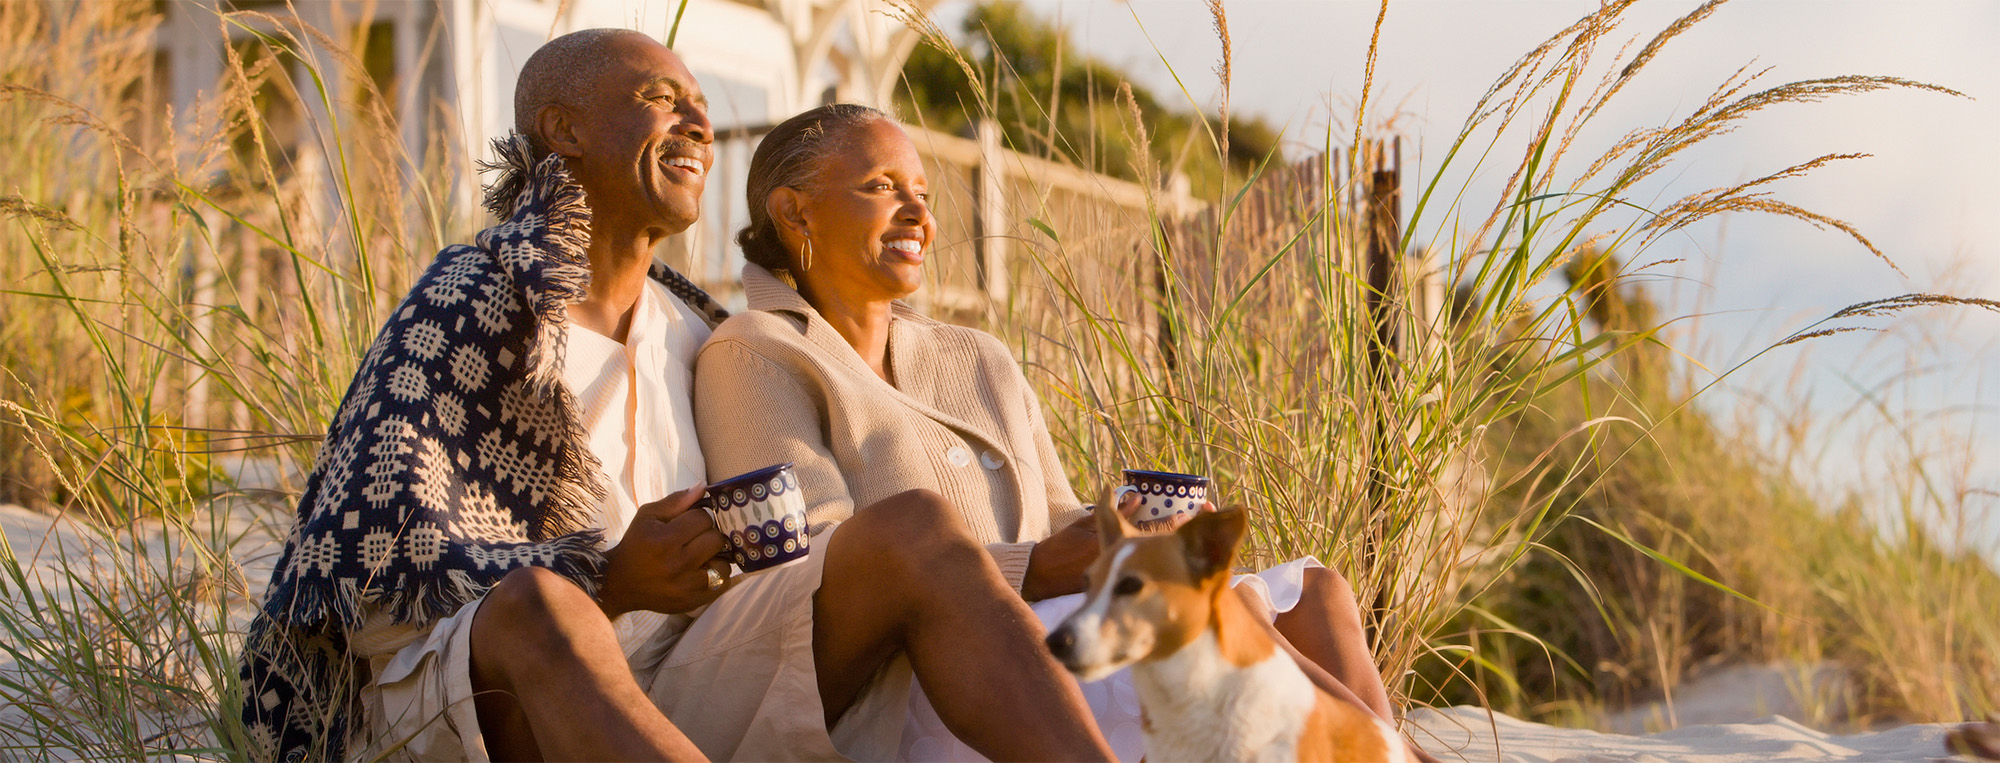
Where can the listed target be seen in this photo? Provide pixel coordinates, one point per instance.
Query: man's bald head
(564, 72)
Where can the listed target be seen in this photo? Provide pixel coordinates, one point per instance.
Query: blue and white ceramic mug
(1163, 496)
(763, 515)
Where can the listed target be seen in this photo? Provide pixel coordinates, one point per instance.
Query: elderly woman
(868, 398)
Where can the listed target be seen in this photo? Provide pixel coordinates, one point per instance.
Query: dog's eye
(1127, 587)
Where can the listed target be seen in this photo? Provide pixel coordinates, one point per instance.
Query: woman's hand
(1174, 522)
(663, 562)
(1057, 565)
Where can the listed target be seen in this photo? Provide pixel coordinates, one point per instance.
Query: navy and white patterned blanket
(455, 458)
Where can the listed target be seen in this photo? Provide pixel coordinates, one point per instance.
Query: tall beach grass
(1516, 482)
(186, 296)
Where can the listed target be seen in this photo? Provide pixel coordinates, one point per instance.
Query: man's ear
(1111, 525)
(557, 128)
(1210, 540)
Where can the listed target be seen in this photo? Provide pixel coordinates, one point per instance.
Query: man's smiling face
(644, 140)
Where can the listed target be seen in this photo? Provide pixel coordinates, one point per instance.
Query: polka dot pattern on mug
(1165, 495)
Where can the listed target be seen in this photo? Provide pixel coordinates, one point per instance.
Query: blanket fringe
(514, 157)
(575, 556)
(312, 601)
(560, 278)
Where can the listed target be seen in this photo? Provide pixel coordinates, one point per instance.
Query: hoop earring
(806, 257)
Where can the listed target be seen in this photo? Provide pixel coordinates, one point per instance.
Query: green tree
(1053, 101)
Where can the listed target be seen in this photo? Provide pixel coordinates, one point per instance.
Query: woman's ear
(558, 131)
(788, 211)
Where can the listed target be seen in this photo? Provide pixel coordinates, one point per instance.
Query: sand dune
(1474, 734)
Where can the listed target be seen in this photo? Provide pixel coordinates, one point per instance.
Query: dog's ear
(1111, 524)
(1210, 541)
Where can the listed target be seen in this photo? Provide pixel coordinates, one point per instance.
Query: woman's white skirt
(1112, 700)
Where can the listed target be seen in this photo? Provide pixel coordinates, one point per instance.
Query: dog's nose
(1061, 643)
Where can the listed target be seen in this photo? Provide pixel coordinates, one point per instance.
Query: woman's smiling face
(868, 217)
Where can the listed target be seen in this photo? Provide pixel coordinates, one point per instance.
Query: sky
(1929, 196)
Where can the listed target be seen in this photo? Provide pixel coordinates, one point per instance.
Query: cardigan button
(991, 460)
(958, 456)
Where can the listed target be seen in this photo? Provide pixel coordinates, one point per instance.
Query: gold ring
(714, 578)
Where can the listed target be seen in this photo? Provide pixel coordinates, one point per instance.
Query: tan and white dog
(1212, 683)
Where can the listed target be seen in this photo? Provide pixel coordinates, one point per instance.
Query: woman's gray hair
(791, 156)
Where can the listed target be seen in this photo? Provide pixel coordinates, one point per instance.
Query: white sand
(48, 547)
(1735, 693)
(1473, 734)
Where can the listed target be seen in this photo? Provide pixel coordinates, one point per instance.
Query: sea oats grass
(1529, 436)
(186, 297)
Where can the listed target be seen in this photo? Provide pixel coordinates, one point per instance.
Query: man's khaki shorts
(739, 682)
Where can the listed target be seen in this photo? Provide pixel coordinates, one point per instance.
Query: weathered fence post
(1384, 232)
(990, 221)
(1385, 213)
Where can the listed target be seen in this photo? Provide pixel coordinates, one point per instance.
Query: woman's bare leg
(1326, 628)
(905, 575)
(1324, 633)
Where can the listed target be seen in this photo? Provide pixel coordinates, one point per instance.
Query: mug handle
(1118, 495)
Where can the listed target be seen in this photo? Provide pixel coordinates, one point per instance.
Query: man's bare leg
(545, 658)
(905, 575)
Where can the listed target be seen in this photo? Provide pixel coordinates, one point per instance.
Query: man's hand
(1057, 565)
(661, 564)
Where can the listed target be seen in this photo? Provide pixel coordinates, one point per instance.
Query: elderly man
(487, 560)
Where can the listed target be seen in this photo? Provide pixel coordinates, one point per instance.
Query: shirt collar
(908, 333)
(767, 291)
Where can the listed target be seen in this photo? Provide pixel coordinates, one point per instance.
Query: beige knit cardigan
(777, 383)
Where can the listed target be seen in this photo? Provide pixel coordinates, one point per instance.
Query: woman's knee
(1327, 593)
(916, 527)
(909, 516)
(1329, 583)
